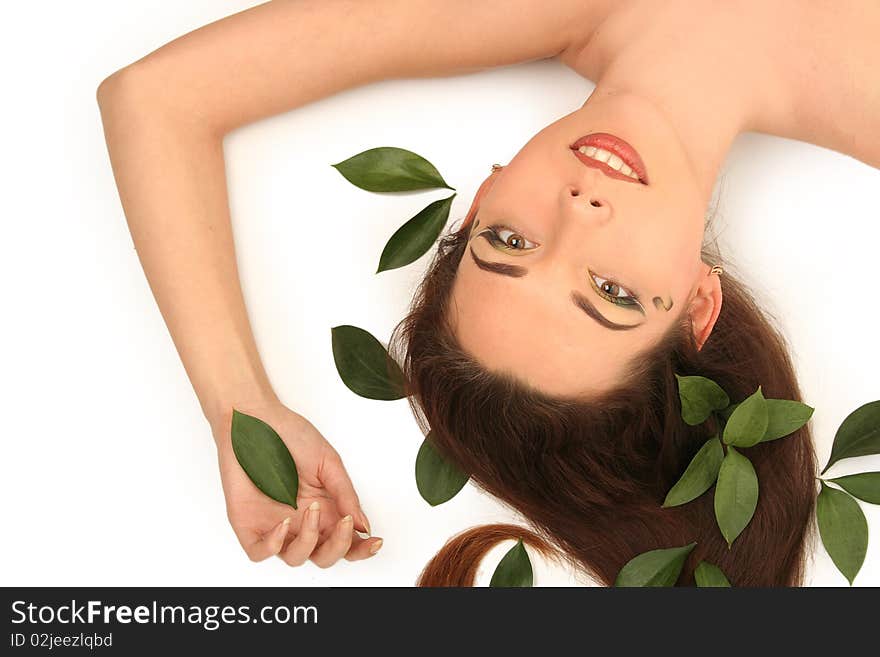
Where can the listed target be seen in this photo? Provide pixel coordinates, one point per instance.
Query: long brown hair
(590, 475)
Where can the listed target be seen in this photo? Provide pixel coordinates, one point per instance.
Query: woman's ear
(475, 204)
(705, 305)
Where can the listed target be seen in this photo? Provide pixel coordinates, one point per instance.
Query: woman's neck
(705, 122)
(689, 62)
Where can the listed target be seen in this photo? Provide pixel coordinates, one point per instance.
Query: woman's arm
(283, 54)
(172, 184)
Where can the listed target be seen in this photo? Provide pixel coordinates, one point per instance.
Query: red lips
(618, 147)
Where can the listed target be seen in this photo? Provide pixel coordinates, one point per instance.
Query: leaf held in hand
(747, 424)
(858, 434)
(843, 529)
(699, 397)
(654, 568)
(364, 364)
(865, 486)
(699, 476)
(264, 457)
(412, 240)
(437, 479)
(514, 569)
(709, 575)
(736, 495)
(390, 169)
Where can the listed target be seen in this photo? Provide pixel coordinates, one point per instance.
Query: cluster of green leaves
(719, 462)
(842, 524)
(391, 169)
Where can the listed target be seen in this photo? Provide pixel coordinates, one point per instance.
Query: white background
(109, 472)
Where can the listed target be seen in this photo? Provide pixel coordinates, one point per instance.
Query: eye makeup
(630, 301)
(493, 235)
(660, 303)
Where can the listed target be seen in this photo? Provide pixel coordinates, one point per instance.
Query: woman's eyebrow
(579, 300)
(515, 271)
(587, 306)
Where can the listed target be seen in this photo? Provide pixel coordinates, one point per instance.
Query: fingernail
(365, 521)
(314, 514)
(286, 522)
(375, 547)
(348, 521)
(314, 506)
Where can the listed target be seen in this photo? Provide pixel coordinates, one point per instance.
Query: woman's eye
(509, 239)
(612, 291)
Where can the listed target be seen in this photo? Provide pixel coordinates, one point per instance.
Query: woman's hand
(322, 527)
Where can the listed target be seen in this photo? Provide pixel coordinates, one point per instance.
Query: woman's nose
(585, 197)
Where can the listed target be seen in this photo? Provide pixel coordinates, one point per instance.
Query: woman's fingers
(338, 484)
(342, 541)
(299, 549)
(259, 547)
(336, 545)
(363, 548)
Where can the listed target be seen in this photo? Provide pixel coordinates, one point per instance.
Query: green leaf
(865, 486)
(747, 424)
(699, 397)
(736, 495)
(390, 169)
(412, 240)
(264, 457)
(785, 416)
(708, 575)
(654, 568)
(364, 364)
(843, 529)
(514, 569)
(438, 480)
(858, 435)
(699, 476)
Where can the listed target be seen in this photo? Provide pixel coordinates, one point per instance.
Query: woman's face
(569, 272)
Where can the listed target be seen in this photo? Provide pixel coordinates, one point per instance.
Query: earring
(496, 167)
(716, 269)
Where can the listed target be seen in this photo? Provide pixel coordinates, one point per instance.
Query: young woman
(542, 345)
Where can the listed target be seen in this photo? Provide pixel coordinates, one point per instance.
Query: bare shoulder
(829, 53)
